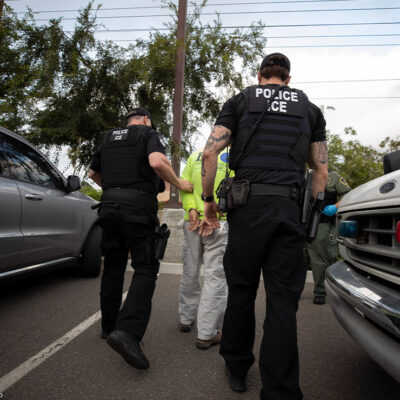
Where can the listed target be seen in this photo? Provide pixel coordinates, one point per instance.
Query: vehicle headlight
(348, 229)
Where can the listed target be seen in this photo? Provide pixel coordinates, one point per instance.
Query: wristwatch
(207, 199)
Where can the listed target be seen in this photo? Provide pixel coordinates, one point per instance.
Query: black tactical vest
(281, 142)
(124, 159)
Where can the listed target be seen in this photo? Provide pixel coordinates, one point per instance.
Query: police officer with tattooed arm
(130, 166)
(274, 131)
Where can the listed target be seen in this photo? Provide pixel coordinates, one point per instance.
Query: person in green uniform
(322, 252)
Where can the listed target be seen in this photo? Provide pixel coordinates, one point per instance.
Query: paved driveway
(38, 311)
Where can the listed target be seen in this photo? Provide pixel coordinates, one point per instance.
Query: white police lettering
(279, 104)
(287, 101)
(282, 95)
(119, 134)
(258, 92)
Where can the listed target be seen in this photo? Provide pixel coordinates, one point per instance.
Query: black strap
(227, 165)
(266, 189)
(254, 128)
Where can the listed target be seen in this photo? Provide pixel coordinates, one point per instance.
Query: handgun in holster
(306, 203)
(311, 213)
(312, 228)
(162, 234)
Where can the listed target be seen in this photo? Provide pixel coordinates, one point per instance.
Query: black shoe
(104, 334)
(185, 328)
(236, 384)
(129, 348)
(319, 299)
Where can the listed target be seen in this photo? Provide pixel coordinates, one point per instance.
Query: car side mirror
(73, 183)
(391, 162)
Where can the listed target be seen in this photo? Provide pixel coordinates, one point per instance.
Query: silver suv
(44, 220)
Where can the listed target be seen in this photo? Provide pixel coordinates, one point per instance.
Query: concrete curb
(176, 269)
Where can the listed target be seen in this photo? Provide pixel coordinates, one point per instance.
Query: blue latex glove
(330, 211)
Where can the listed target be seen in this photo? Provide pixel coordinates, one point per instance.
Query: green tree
(358, 163)
(29, 58)
(89, 86)
(90, 191)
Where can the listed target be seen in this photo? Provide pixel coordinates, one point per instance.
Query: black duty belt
(124, 190)
(131, 197)
(266, 189)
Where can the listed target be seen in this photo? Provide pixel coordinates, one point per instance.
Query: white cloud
(373, 119)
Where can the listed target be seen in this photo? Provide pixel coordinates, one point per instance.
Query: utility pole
(178, 100)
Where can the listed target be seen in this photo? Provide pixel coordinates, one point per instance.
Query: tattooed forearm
(203, 168)
(218, 139)
(212, 141)
(322, 152)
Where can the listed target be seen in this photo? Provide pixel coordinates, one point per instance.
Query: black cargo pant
(127, 229)
(265, 235)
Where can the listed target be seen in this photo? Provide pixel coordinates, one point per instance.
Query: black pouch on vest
(239, 192)
(224, 194)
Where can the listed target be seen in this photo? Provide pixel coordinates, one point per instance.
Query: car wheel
(91, 254)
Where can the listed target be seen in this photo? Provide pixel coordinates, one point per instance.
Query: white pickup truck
(363, 288)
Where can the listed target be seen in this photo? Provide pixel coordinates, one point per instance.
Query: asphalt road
(37, 311)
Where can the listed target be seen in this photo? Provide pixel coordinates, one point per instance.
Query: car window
(27, 165)
(3, 162)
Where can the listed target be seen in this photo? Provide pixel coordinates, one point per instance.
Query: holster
(160, 244)
(312, 227)
(307, 199)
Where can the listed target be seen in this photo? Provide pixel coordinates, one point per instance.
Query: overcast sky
(370, 102)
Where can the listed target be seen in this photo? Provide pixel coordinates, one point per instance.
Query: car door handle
(33, 197)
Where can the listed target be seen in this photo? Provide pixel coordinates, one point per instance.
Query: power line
(307, 46)
(252, 26)
(295, 83)
(354, 98)
(335, 45)
(351, 81)
(300, 46)
(233, 13)
(331, 36)
(190, 5)
(300, 36)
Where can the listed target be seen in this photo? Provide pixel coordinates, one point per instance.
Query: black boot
(236, 384)
(319, 299)
(129, 348)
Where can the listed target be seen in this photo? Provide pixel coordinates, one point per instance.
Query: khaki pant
(322, 253)
(209, 302)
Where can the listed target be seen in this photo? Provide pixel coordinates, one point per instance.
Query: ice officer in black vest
(130, 166)
(274, 131)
